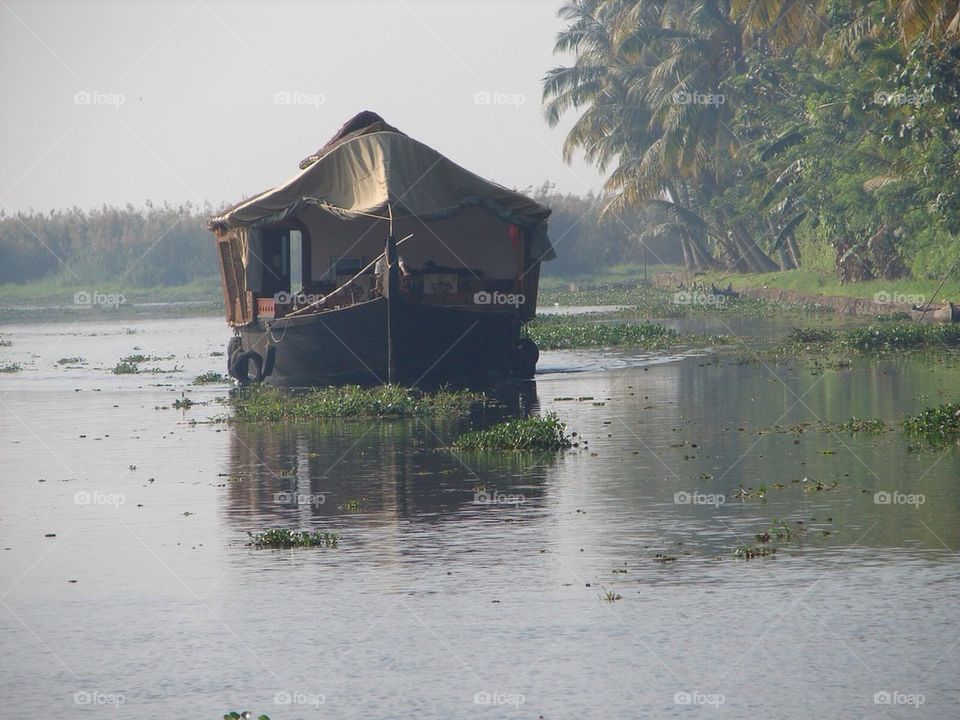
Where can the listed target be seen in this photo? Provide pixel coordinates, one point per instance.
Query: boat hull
(376, 342)
(944, 313)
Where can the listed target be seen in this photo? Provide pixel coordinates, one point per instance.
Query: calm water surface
(147, 601)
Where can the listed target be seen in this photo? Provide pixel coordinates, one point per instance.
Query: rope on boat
(346, 284)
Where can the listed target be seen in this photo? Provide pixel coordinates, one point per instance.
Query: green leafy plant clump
(856, 425)
(553, 332)
(937, 425)
(210, 378)
(11, 368)
(749, 552)
(903, 336)
(892, 336)
(125, 368)
(536, 433)
(265, 404)
(281, 538)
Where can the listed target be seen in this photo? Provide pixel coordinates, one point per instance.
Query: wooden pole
(391, 290)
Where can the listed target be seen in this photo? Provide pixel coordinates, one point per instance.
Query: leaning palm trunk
(757, 259)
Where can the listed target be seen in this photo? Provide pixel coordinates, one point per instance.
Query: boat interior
(318, 262)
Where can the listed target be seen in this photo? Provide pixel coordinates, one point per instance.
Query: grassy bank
(815, 284)
(265, 404)
(49, 300)
(660, 303)
(58, 293)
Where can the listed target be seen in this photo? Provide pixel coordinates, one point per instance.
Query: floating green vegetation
(130, 365)
(11, 368)
(877, 338)
(183, 403)
(779, 531)
(135, 359)
(260, 403)
(352, 505)
(818, 485)
(806, 336)
(5, 343)
(902, 336)
(664, 559)
(749, 552)
(210, 378)
(69, 361)
(556, 332)
(245, 715)
(742, 493)
(610, 595)
(855, 425)
(281, 538)
(536, 433)
(939, 425)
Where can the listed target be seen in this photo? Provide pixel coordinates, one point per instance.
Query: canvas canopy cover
(371, 168)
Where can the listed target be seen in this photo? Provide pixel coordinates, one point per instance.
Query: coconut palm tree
(648, 83)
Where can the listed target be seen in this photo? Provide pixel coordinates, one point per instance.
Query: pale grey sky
(116, 102)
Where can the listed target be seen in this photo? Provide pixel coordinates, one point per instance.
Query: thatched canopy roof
(370, 168)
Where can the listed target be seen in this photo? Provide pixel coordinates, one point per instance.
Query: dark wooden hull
(425, 344)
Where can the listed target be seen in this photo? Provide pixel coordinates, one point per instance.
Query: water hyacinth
(879, 338)
(938, 425)
(537, 433)
(282, 538)
(261, 403)
(554, 332)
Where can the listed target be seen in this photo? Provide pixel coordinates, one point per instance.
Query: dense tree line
(137, 247)
(777, 133)
(166, 245)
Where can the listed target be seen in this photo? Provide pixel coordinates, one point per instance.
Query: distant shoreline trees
(774, 133)
(168, 245)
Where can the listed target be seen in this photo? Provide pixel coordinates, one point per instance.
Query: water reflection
(382, 471)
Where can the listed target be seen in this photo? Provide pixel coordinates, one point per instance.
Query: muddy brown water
(473, 585)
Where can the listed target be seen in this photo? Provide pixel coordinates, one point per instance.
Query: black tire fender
(241, 367)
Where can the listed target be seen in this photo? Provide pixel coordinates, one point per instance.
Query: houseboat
(381, 261)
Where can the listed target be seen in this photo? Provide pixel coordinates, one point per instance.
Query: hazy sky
(116, 102)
